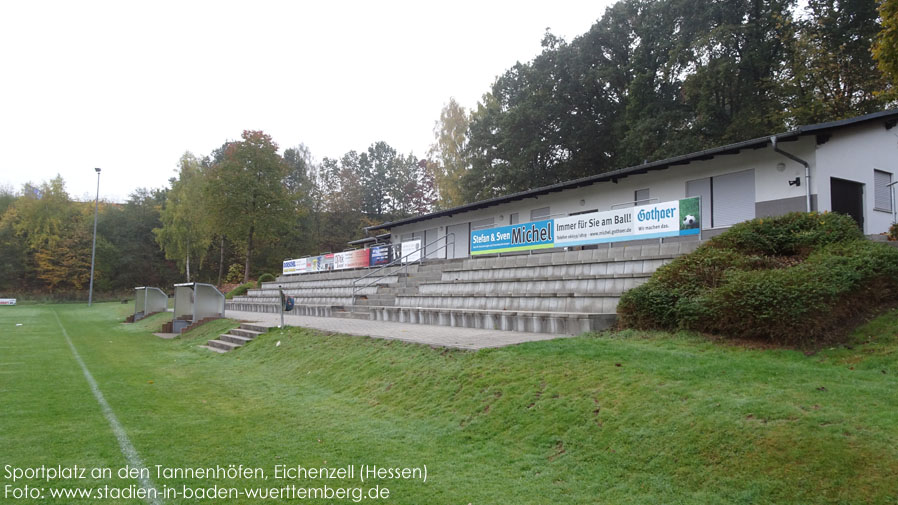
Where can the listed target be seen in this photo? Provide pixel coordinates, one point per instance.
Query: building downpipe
(807, 171)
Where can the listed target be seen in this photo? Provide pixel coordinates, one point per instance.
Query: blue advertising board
(656, 220)
(380, 255)
(516, 237)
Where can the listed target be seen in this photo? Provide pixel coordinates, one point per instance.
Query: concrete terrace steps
(351, 313)
(238, 337)
(308, 293)
(561, 270)
(563, 302)
(541, 287)
(563, 292)
(332, 275)
(291, 283)
(299, 300)
(562, 323)
(603, 253)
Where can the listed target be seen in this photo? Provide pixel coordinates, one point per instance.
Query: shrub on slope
(790, 279)
(264, 278)
(240, 290)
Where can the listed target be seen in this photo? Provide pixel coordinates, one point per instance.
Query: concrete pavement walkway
(440, 336)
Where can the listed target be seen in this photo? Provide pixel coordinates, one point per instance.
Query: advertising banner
(517, 237)
(380, 255)
(351, 259)
(340, 261)
(297, 266)
(633, 223)
(412, 249)
(666, 219)
(7, 301)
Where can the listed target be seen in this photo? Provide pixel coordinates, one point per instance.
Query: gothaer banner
(666, 219)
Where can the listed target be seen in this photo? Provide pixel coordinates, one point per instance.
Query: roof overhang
(890, 117)
(369, 240)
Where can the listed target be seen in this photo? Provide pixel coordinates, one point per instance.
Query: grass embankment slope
(620, 418)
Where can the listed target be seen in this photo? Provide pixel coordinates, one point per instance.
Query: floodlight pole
(93, 249)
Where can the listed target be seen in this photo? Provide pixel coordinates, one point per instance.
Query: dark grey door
(848, 198)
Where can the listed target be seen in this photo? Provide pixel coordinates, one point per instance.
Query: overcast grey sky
(130, 86)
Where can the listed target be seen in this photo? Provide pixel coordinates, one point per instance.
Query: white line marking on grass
(7, 364)
(128, 449)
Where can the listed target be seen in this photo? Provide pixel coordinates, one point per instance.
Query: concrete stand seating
(563, 292)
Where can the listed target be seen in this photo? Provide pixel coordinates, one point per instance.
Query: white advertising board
(412, 249)
(631, 223)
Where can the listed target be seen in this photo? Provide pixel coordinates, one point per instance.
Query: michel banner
(666, 219)
(517, 237)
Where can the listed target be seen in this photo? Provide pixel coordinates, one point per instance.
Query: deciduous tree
(448, 154)
(186, 225)
(246, 194)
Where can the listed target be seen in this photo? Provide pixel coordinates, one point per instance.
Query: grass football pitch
(614, 418)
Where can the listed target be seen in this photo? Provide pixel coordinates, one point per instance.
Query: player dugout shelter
(195, 301)
(847, 166)
(148, 300)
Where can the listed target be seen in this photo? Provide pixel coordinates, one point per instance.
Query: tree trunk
(221, 261)
(188, 260)
(249, 254)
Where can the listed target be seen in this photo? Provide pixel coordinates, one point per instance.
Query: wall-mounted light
(582, 203)
(780, 167)
(795, 182)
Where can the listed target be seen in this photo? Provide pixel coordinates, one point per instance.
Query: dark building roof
(383, 237)
(890, 117)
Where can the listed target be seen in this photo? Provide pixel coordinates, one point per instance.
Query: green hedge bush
(264, 278)
(240, 290)
(791, 279)
(235, 273)
(791, 234)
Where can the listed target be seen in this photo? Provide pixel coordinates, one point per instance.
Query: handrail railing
(634, 203)
(405, 264)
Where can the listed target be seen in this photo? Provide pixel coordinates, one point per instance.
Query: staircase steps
(238, 337)
(224, 346)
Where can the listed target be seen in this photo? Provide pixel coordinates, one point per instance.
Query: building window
(539, 214)
(641, 197)
(483, 223)
(882, 193)
(513, 218)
